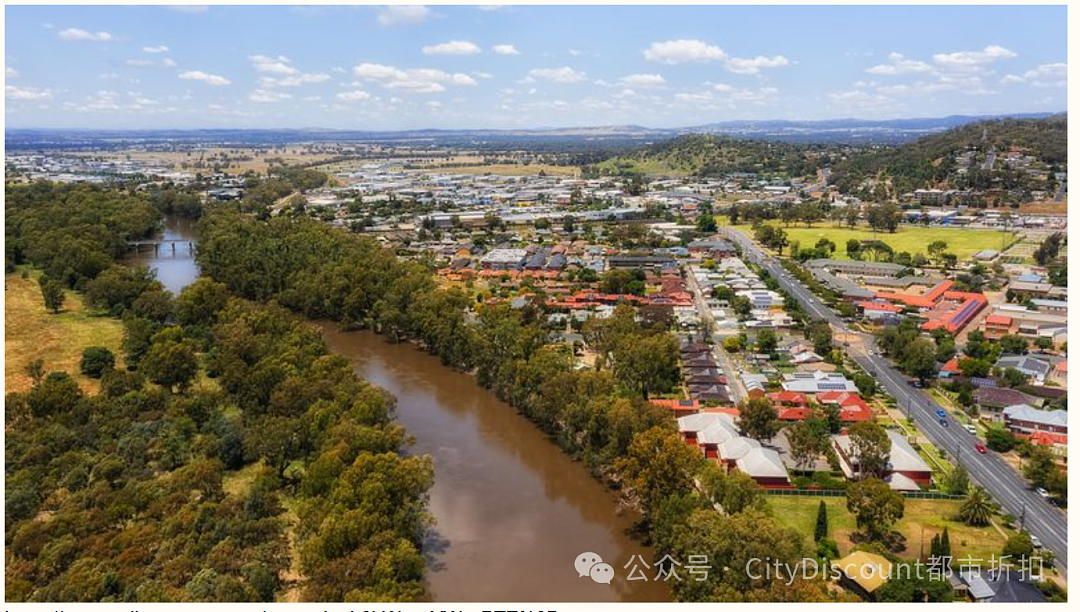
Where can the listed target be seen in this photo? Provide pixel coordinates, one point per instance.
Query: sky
(411, 67)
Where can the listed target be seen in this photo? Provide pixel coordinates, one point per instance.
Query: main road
(1040, 518)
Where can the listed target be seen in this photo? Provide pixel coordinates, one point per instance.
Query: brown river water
(512, 511)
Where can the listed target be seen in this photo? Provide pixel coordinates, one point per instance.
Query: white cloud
(505, 50)
(403, 15)
(273, 65)
(453, 47)
(1049, 75)
(573, 52)
(209, 79)
(168, 62)
(294, 81)
(76, 34)
(1012, 79)
(354, 96)
(683, 51)
(643, 80)
(753, 65)
(10, 72)
(483, 75)
(967, 60)
(898, 64)
(415, 80)
(12, 92)
(565, 74)
(263, 96)
(157, 49)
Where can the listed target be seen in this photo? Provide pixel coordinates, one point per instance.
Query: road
(734, 381)
(1009, 488)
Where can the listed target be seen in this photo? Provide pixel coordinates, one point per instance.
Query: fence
(840, 493)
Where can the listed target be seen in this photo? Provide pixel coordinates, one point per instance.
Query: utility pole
(1023, 514)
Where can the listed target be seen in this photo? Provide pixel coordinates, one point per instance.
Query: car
(1035, 542)
(941, 414)
(971, 429)
(1042, 491)
(980, 448)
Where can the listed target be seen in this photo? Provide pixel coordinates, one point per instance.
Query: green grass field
(963, 242)
(31, 332)
(923, 518)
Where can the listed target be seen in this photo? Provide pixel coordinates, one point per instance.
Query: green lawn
(922, 519)
(963, 242)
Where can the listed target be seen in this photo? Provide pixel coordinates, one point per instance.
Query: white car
(1035, 542)
(1042, 491)
(971, 429)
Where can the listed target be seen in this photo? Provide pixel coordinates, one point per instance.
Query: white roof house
(817, 382)
(762, 463)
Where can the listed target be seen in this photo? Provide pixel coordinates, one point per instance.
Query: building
(716, 434)
(817, 382)
(863, 572)
(1032, 367)
(1024, 420)
(905, 470)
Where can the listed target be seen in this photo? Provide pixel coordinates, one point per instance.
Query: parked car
(1035, 542)
(1042, 491)
(971, 429)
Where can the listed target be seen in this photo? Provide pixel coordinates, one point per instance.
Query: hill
(710, 155)
(931, 161)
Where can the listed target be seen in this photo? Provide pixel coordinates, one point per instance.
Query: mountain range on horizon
(852, 130)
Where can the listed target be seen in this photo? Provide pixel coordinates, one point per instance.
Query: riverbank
(32, 332)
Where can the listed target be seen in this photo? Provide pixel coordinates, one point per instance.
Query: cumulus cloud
(284, 73)
(157, 49)
(402, 15)
(966, 60)
(10, 72)
(565, 74)
(415, 80)
(453, 47)
(643, 80)
(77, 34)
(12, 92)
(505, 50)
(354, 96)
(898, 64)
(263, 96)
(1049, 75)
(205, 77)
(683, 51)
(753, 65)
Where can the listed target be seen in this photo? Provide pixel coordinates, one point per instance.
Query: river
(175, 267)
(512, 510)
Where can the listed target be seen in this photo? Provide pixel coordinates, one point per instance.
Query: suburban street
(734, 381)
(1009, 488)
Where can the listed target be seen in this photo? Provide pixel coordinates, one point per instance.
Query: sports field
(963, 242)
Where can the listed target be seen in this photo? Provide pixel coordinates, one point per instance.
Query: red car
(980, 448)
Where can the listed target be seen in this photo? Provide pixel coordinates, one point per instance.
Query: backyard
(923, 518)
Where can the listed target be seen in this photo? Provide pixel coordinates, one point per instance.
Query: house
(716, 434)
(1032, 367)
(992, 400)
(863, 572)
(904, 471)
(715, 248)
(852, 407)
(950, 369)
(1025, 420)
(817, 382)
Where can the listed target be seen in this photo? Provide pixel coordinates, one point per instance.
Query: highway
(990, 471)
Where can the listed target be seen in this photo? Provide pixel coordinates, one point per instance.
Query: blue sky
(522, 66)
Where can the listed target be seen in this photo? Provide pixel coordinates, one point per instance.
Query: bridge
(137, 245)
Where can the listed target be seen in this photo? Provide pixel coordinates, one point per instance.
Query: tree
(908, 587)
(733, 344)
(734, 492)
(806, 440)
(200, 302)
(171, 361)
(657, 465)
(1013, 378)
(56, 394)
(870, 447)
(866, 384)
(976, 508)
(956, 482)
(1000, 439)
(36, 370)
(821, 527)
(821, 335)
(758, 419)
(1018, 547)
(876, 506)
(53, 294)
(95, 360)
(1012, 344)
(767, 340)
(919, 359)
(1039, 465)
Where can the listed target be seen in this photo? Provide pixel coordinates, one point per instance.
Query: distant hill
(710, 155)
(846, 131)
(930, 160)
